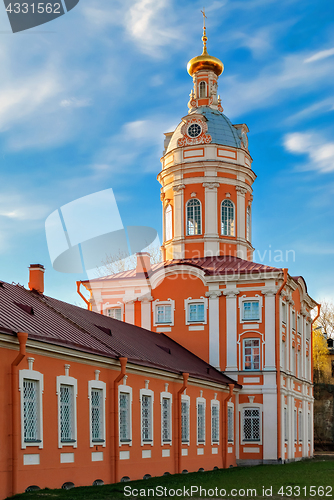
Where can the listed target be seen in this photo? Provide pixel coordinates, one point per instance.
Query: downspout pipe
(277, 361)
(123, 362)
(311, 349)
(22, 337)
(179, 422)
(89, 305)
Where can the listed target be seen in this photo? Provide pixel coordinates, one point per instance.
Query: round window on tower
(194, 130)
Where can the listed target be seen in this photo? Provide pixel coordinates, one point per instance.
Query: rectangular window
(146, 416)
(251, 427)
(215, 423)
(283, 356)
(283, 312)
(66, 414)
(293, 321)
(97, 415)
(295, 425)
(230, 426)
(309, 426)
(251, 310)
(196, 312)
(299, 360)
(300, 426)
(185, 421)
(299, 325)
(115, 312)
(200, 422)
(124, 417)
(166, 419)
(293, 360)
(251, 354)
(286, 428)
(30, 411)
(163, 314)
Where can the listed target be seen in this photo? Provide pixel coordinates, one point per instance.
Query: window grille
(124, 417)
(283, 312)
(30, 410)
(215, 423)
(115, 312)
(293, 361)
(146, 414)
(201, 422)
(196, 312)
(185, 421)
(194, 225)
(293, 321)
(299, 360)
(230, 425)
(251, 310)
(66, 413)
(97, 414)
(309, 426)
(251, 424)
(163, 314)
(166, 420)
(202, 89)
(227, 228)
(286, 428)
(168, 223)
(295, 424)
(299, 325)
(300, 426)
(248, 223)
(283, 356)
(252, 354)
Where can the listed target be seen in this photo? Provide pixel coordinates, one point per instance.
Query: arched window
(168, 223)
(194, 225)
(202, 89)
(248, 223)
(227, 218)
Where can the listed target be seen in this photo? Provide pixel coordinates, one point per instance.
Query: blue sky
(85, 100)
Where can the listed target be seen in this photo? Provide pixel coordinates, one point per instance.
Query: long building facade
(248, 320)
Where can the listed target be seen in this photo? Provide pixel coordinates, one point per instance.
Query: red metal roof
(212, 266)
(58, 323)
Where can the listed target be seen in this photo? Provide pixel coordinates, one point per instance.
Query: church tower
(206, 175)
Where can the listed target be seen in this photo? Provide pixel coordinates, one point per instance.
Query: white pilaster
(178, 222)
(270, 344)
(211, 238)
(130, 312)
(231, 329)
(214, 344)
(270, 426)
(146, 312)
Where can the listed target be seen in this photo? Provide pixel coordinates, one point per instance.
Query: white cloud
(317, 108)
(14, 206)
(75, 103)
(323, 54)
(320, 154)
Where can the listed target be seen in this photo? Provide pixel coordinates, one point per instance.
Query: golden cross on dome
(204, 17)
(204, 37)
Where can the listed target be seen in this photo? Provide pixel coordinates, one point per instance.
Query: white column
(291, 407)
(304, 424)
(130, 312)
(241, 220)
(146, 312)
(269, 432)
(231, 329)
(178, 222)
(270, 340)
(214, 345)
(211, 238)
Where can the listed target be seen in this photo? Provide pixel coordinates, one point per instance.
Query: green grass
(316, 473)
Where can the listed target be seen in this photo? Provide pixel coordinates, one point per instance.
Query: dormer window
(202, 89)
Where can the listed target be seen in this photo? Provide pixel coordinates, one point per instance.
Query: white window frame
(71, 381)
(167, 395)
(244, 354)
(39, 378)
(300, 426)
(201, 217)
(97, 384)
(188, 302)
(255, 298)
(250, 406)
(284, 312)
(230, 406)
(293, 320)
(199, 89)
(233, 226)
(295, 425)
(283, 355)
(185, 399)
(309, 427)
(215, 403)
(168, 302)
(286, 423)
(249, 223)
(118, 305)
(125, 389)
(146, 392)
(200, 401)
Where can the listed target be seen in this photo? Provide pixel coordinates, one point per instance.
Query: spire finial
(204, 37)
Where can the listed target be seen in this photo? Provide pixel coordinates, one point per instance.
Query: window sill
(32, 441)
(95, 441)
(68, 441)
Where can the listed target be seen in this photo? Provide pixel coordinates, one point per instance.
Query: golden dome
(205, 61)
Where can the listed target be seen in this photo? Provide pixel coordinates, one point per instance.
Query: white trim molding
(215, 403)
(72, 382)
(186, 399)
(125, 389)
(39, 379)
(149, 393)
(256, 298)
(168, 302)
(169, 396)
(199, 402)
(242, 408)
(97, 384)
(188, 302)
